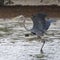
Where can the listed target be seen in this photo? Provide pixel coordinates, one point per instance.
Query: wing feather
(39, 23)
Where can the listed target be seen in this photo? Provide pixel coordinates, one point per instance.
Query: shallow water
(14, 45)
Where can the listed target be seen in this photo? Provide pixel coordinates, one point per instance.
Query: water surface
(14, 45)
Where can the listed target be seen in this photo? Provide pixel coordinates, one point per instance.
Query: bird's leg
(42, 46)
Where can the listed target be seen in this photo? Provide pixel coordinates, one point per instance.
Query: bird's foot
(41, 51)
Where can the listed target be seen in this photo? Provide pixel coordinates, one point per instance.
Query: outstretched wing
(38, 23)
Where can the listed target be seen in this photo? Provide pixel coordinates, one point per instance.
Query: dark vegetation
(4, 2)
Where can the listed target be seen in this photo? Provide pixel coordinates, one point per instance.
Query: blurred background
(29, 2)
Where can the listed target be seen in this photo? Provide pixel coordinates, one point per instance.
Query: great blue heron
(40, 26)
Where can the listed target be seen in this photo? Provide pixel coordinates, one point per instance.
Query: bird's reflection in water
(41, 56)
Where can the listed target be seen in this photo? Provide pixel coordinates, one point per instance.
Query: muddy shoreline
(13, 11)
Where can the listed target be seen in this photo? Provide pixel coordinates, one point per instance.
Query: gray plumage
(40, 25)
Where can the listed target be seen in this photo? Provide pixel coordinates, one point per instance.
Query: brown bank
(13, 11)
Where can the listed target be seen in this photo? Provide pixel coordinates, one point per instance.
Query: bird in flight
(40, 26)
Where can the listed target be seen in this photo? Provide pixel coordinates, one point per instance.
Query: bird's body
(40, 25)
